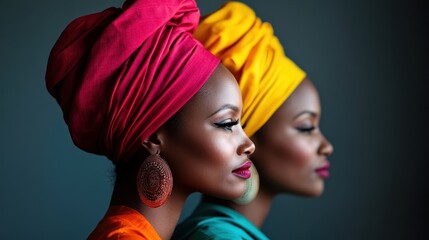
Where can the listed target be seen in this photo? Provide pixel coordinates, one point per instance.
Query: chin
(231, 194)
(312, 192)
(315, 194)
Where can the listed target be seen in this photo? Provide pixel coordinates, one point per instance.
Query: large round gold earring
(154, 181)
(252, 188)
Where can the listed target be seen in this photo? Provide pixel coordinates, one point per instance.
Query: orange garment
(122, 222)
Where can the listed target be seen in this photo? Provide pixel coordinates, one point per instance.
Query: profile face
(206, 147)
(291, 151)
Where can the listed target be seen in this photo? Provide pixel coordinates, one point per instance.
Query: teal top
(213, 221)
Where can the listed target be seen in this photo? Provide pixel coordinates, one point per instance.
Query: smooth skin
(289, 149)
(203, 143)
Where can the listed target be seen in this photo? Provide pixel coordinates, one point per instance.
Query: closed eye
(307, 130)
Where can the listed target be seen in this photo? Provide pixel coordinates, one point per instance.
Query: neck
(163, 219)
(256, 211)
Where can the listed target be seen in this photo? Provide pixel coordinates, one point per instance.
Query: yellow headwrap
(249, 49)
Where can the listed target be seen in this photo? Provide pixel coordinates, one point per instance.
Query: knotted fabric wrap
(120, 74)
(249, 49)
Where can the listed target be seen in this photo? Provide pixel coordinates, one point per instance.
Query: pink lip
(323, 172)
(244, 170)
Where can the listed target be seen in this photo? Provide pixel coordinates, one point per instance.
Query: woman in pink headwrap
(135, 86)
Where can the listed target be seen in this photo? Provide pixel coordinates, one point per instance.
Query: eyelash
(307, 130)
(227, 124)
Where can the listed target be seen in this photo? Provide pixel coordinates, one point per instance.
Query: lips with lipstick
(244, 170)
(323, 172)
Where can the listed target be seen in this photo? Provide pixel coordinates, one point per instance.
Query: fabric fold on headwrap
(120, 74)
(250, 50)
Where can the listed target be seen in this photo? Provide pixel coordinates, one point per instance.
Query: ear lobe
(153, 144)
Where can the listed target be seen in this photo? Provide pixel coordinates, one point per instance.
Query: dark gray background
(368, 59)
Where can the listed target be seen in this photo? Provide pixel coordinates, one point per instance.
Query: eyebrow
(313, 114)
(226, 106)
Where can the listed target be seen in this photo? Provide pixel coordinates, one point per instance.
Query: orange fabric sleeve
(123, 223)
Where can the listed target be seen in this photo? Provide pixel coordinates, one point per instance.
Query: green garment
(213, 221)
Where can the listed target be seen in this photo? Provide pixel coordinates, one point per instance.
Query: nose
(326, 147)
(247, 146)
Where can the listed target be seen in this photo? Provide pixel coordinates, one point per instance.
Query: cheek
(296, 150)
(201, 153)
(205, 162)
(287, 154)
(209, 148)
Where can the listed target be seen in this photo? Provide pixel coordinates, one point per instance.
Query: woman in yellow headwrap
(281, 113)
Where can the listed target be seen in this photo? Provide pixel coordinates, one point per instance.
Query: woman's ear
(156, 141)
(153, 144)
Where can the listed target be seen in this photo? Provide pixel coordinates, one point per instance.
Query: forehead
(304, 98)
(220, 89)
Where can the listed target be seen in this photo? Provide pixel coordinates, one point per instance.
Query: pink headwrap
(120, 74)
